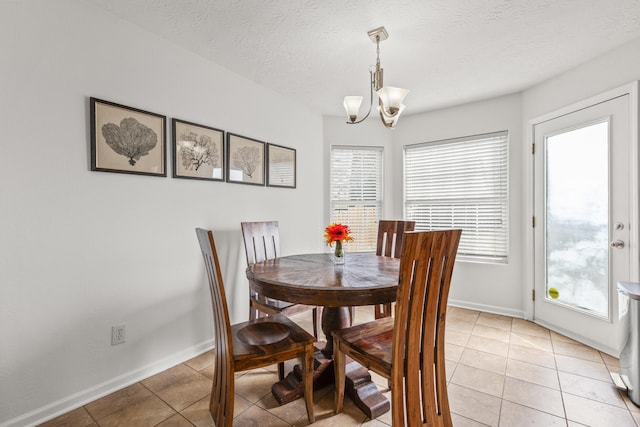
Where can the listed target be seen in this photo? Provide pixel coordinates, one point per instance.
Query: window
(461, 183)
(356, 193)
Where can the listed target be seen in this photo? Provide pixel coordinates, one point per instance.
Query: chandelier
(390, 98)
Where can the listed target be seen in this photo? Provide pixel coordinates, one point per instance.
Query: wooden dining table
(313, 279)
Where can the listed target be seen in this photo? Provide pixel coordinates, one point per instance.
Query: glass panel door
(581, 235)
(577, 218)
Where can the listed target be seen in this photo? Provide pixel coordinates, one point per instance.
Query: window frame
(369, 228)
(470, 249)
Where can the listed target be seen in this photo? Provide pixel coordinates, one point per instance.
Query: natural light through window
(356, 193)
(577, 217)
(461, 183)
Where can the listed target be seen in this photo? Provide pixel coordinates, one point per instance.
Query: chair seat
(267, 330)
(373, 339)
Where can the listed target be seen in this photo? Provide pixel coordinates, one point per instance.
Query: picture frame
(198, 151)
(245, 160)
(127, 140)
(281, 166)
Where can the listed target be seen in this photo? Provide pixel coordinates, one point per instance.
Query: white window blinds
(356, 193)
(461, 183)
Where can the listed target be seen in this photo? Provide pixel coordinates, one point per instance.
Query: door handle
(618, 244)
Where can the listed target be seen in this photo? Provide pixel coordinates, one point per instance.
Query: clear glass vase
(338, 253)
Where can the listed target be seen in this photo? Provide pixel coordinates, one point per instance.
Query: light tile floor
(501, 371)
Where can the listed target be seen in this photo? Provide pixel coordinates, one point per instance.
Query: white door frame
(634, 202)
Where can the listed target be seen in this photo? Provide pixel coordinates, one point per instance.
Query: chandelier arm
(385, 113)
(387, 124)
(370, 101)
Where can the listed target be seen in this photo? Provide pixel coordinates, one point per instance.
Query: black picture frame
(245, 160)
(127, 140)
(281, 166)
(198, 151)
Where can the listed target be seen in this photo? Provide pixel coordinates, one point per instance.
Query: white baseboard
(487, 308)
(584, 340)
(76, 400)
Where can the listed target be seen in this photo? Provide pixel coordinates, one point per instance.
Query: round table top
(312, 279)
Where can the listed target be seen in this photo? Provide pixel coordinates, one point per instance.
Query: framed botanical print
(126, 139)
(245, 160)
(281, 166)
(198, 151)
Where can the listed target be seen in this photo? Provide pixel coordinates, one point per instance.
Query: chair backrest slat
(261, 240)
(390, 237)
(223, 385)
(426, 268)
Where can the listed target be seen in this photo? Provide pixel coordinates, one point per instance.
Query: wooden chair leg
(382, 310)
(281, 371)
(252, 312)
(307, 369)
(316, 321)
(397, 405)
(377, 311)
(339, 360)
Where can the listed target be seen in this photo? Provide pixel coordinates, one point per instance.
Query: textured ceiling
(445, 52)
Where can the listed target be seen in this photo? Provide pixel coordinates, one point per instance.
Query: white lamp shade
(392, 97)
(390, 120)
(352, 106)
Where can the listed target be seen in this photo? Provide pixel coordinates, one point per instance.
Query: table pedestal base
(358, 385)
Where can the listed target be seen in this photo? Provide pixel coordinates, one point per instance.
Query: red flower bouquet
(337, 233)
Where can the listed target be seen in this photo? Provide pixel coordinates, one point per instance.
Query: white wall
(611, 70)
(81, 251)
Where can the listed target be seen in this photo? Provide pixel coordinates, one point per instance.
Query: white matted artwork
(127, 140)
(198, 151)
(245, 160)
(281, 166)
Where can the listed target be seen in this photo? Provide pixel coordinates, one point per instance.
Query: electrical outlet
(118, 334)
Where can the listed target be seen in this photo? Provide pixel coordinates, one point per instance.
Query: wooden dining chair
(249, 345)
(261, 243)
(390, 237)
(408, 349)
